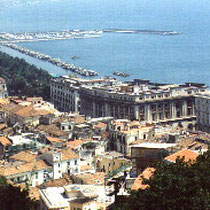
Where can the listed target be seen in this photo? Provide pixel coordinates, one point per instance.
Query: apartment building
(65, 91)
(202, 110)
(124, 132)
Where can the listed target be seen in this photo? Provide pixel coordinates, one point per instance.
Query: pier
(55, 61)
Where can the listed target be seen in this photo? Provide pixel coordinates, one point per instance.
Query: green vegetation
(180, 186)
(24, 79)
(13, 198)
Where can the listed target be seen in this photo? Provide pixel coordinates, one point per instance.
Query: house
(124, 132)
(24, 156)
(35, 173)
(97, 178)
(24, 141)
(4, 144)
(53, 130)
(139, 181)
(62, 161)
(185, 154)
(24, 115)
(110, 161)
(54, 141)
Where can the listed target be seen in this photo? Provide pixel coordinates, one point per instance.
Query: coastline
(50, 68)
(54, 61)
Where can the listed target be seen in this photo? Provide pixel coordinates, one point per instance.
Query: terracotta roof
(5, 141)
(76, 119)
(52, 130)
(187, 154)
(86, 168)
(22, 168)
(68, 154)
(11, 107)
(54, 139)
(101, 125)
(146, 174)
(74, 144)
(26, 156)
(30, 111)
(2, 126)
(57, 182)
(4, 101)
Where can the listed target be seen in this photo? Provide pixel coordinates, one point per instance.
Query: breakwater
(55, 61)
(154, 32)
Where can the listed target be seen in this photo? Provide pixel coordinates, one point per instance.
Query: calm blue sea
(172, 59)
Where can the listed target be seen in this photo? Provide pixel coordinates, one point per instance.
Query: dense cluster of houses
(71, 161)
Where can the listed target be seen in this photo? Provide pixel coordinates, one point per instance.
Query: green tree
(13, 198)
(24, 79)
(183, 186)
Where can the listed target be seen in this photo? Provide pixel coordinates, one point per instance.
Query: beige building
(142, 100)
(110, 161)
(65, 91)
(25, 115)
(124, 132)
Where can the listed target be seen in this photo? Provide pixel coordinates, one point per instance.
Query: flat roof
(53, 197)
(154, 145)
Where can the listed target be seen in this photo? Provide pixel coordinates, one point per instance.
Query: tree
(24, 79)
(13, 198)
(175, 186)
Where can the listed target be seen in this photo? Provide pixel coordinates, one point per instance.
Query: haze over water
(172, 59)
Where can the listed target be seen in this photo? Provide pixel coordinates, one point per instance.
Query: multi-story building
(65, 94)
(125, 132)
(62, 161)
(3, 88)
(110, 161)
(202, 110)
(142, 100)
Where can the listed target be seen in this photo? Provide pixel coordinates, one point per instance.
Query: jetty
(55, 61)
(154, 32)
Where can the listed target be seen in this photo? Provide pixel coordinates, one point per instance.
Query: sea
(167, 59)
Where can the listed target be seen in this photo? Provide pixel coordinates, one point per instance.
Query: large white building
(65, 94)
(3, 88)
(139, 100)
(142, 100)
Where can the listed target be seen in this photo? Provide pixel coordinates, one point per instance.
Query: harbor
(47, 36)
